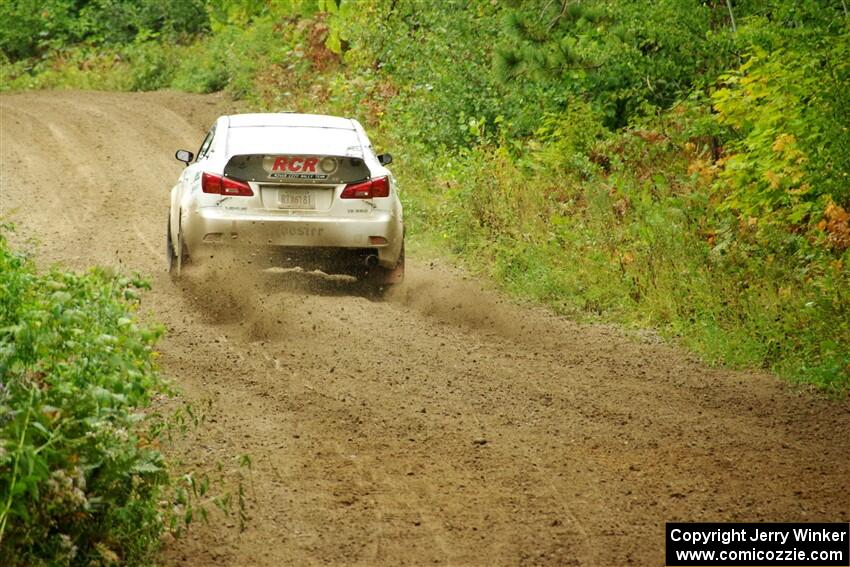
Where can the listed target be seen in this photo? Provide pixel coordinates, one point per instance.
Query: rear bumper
(213, 227)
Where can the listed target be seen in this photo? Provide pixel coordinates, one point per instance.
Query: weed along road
(443, 425)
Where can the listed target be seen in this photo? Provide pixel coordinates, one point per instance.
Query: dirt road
(443, 426)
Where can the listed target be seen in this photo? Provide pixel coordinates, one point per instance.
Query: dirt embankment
(443, 426)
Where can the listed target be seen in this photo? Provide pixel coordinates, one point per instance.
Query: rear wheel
(176, 253)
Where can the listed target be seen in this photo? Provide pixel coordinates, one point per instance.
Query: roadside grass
(637, 245)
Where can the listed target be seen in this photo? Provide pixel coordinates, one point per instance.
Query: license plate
(287, 199)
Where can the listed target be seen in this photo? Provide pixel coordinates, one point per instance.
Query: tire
(169, 246)
(176, 253)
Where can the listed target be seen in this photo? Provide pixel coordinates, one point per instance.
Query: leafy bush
(627, 57)
(790, 156)
(32, 27)
(234, 59)
(152, 65)
(80, 478)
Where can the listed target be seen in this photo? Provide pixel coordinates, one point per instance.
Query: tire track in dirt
(443, 426)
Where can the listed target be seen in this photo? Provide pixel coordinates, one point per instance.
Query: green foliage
(80, 480)
(429, 65)
(152, 65)
(790, 156)
(121, 21)
(233, 59)
(32, 27)
(627, 57)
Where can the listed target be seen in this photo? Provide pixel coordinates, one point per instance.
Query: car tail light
(220, 185)
(369, 189)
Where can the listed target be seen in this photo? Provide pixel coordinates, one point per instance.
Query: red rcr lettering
(295, 163)
(310, 164)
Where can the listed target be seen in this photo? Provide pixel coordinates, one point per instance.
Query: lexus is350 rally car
(307, 187)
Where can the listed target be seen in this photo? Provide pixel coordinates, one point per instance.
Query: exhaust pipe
(371, 260)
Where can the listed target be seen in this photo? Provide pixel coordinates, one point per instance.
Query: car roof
(291, 119)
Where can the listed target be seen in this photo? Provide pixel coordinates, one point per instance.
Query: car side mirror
(385, 159)
(185, 156)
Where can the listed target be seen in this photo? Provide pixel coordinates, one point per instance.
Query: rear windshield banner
(297, 168)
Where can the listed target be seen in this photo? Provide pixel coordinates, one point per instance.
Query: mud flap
(396, 275)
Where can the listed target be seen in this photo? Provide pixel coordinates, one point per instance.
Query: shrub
(32, 27)
(153, 65)
(790, 156)
(80, 479)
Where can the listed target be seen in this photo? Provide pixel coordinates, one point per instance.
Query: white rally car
(307, 187)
